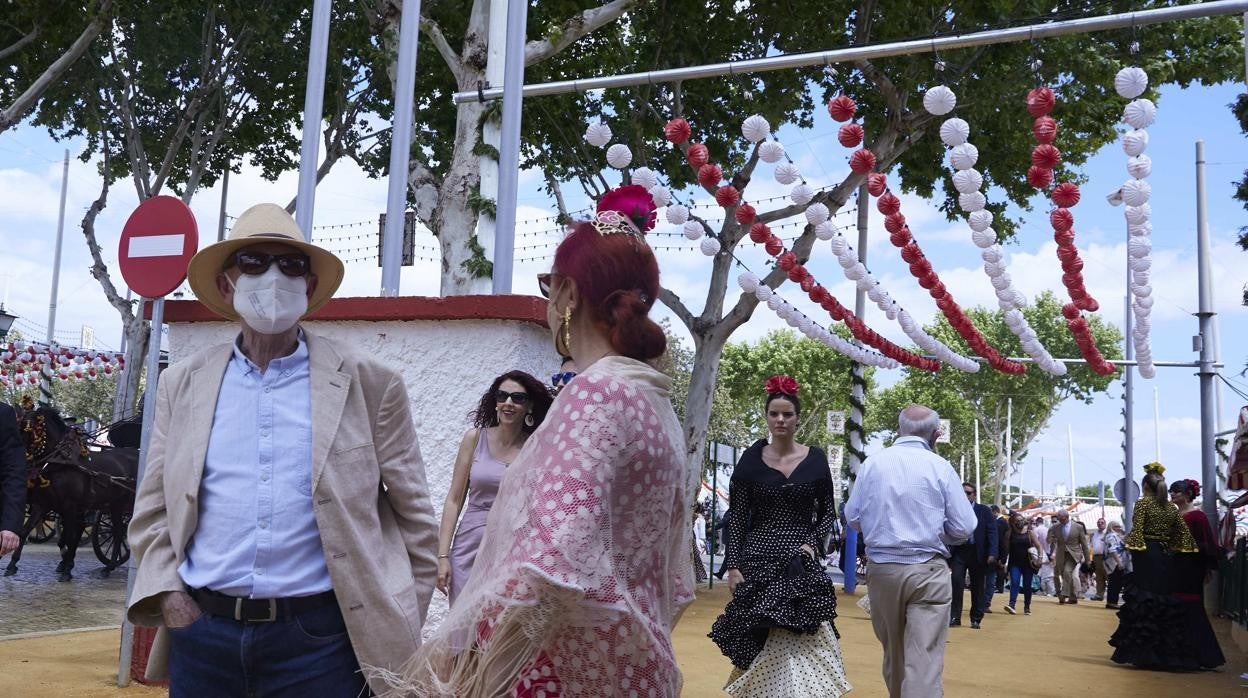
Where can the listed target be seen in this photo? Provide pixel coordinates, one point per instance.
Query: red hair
(618, 278)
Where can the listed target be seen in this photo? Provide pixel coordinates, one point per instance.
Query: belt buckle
(238, 612)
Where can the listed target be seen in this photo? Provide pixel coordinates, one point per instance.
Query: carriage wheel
(45, 530)
(108, 539)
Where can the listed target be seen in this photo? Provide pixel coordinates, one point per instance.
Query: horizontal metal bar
(1043, 30)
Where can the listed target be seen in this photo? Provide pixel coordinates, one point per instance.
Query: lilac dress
(483, 479)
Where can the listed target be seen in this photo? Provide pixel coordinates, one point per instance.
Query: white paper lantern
(805, 325)
(954, 131)
(993, 269)
(1139, 263)
(939, 100)
(1142, 290)
(992, 254)
(846, 261)
(1003, 294)
(1017, 299)
(677, 214)
(661, 196)
(748, 282)
(770, 152)
(775, 303)
(1140, 113)
(802, 194)
(984, 238)
(1141, 230)
(787, 173)
(825, 230)
(1139, 247)
(1144, 302)
(1134, 142)
(1001, 282)
(1135, 192)
(1138, 215)
(856, 272)
(762, 293)
(1014, 319)
(645, 177)
(817, 213)
(755, 128)
(619, 156)
(839, 245)
(864, 284)
(1147, 371)
(1131, 82)
(598, 134)
(963, 157)
(874, 294)
(693, 230)
(710, 246)
(1140, 166)
(793, 320)
(979, 220)
(972, 202)
(1141, 277)
(968, 181)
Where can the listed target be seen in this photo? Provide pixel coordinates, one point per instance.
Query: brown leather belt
(259, 610)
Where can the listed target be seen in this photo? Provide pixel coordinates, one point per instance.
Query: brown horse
(70, 479)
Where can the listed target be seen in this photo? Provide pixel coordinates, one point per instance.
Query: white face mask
(271, 303)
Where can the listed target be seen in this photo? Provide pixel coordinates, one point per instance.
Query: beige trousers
(910, 615)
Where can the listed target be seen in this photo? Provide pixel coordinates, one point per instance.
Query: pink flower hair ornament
(628, 210)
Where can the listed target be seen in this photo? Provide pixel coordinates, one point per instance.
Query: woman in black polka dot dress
(778, 629)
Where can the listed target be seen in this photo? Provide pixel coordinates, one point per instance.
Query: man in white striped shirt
(909, 505)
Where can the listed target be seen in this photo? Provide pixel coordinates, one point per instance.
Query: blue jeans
(990, 585)
(1021, 576)
(307, 655)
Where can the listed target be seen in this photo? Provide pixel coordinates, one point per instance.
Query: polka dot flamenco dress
(779, 630)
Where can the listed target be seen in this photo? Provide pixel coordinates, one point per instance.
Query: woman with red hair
(584, 565)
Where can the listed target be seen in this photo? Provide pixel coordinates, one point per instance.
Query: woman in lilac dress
(510, 410)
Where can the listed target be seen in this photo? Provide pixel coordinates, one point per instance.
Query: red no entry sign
(157, 244)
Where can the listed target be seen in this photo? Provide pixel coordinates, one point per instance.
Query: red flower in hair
(633, 201)
(1195, 488)
(783, 385)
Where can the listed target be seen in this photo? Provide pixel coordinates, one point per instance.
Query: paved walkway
(33, 601)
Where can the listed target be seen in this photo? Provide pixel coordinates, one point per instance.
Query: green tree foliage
(983, 396)
(1090, 491)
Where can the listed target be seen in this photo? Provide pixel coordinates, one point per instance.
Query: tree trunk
(137, 335)
(708, 349)
(455, 220)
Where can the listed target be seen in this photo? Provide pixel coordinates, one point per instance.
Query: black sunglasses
(501, 396)
(255, 263)
(543, 283)
(564, 378)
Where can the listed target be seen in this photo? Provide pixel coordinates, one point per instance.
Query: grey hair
(918, 420)
(1115, 524)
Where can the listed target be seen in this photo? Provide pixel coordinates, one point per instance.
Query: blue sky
(30, 176)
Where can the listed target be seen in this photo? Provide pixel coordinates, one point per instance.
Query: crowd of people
(286, 543)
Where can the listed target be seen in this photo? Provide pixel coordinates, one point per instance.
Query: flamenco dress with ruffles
(1152, 624)
(779, 629)
(1188, 587)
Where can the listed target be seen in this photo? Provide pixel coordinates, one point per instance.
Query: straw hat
(259, 224)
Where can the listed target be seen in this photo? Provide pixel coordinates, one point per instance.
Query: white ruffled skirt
(793, 664)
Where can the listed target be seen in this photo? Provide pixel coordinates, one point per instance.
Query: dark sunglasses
(543, 283)
(501, 396)
(256, 263)
(564, 378)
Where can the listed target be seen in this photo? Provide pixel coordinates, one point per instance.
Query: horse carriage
(76, 491)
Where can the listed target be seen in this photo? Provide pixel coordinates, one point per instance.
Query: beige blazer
(368, 492)
(1074, 546)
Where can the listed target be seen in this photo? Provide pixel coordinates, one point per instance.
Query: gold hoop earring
(565, 333)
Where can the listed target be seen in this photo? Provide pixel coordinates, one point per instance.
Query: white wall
(446, 364)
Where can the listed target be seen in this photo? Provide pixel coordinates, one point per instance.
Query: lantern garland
(22, 362)
(1044, 157)
(804, 324)
(1130, 83)
(955, 133)
(863, 161)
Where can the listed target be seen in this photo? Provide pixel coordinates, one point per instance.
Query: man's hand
(8, 542)
(808, 550)
(179, 609)
(734, 578)
(992, 559)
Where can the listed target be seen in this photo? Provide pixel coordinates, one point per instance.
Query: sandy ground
(1058, 650)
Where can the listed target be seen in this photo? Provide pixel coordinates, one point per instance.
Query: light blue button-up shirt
(257, 535)
(909, 504)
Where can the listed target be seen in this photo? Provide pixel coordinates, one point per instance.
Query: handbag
(1036, 557)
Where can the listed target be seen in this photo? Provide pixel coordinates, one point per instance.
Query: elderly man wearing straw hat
(283, 529)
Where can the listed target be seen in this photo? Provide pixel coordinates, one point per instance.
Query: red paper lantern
(1061, 219)
(1065, 195)
(773, 246)
(1046, 156)
(1039, 177)
(745, 216)
(808, 284)
(1044, 129)
(727, 196)
(851, 135)
(900, 238)
(944, 303)
(697, 156)
(709, 174)
(877, 183)
(677, 131)
(797, 273)
(925, 269)
(1070, 280)
(939, 291)
(1064, 238)
(1070, 311)
(1040, 101)
(894, 222)
(1067, 253)
(862, 161)
(759, 232)
(842, 108)
(786, 260)
(1090, 304)
(819, 295)
(911, 253)
(1073, 266)
(1077, 293)
(888, 204)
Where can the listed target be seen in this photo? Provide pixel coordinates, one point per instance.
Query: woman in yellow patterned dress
(1151, 623)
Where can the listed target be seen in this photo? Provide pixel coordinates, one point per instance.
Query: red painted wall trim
(517, 308)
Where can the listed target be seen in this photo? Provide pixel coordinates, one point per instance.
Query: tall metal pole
(225, 192)
(1070, 455)
(1042, 477)
(400, 150)
(149, 416)
(313, 100)
(487, 163)
(1205, 314)
(1128, 416)
(977, 483)
(858, 393)
(1157, 423)
(45, 373)
(1009, 442)
(509, 146)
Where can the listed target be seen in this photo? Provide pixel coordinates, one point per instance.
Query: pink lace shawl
(584, 566)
